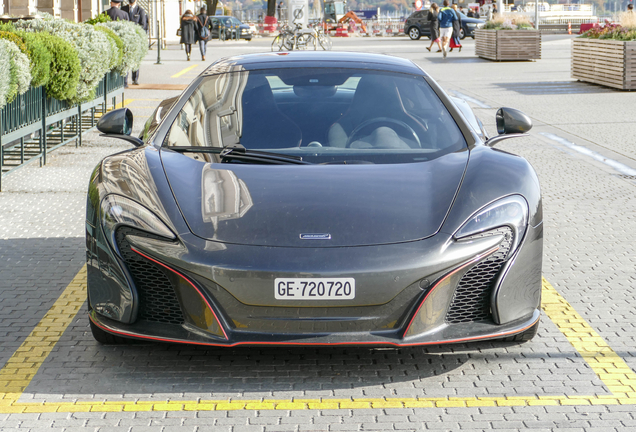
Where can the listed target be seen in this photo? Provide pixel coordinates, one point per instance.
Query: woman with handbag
(204, 23)
(433, 23)
(189, 31)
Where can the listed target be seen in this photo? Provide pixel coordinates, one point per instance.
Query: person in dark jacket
(455, 41)
(434, 26)
(189, 31)
(204, 21)
(136, 14)
(115, 13)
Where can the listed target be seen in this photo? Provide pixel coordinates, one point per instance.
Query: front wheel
(462, 33)
(278, 43)
(414, 33)
(325, 42)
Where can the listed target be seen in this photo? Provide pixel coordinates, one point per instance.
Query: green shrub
(65, 68)
(93, 49)
(12, 91)
(10, 36)
(40, 57)
(101, 18)
(117, 47)
(5, 72)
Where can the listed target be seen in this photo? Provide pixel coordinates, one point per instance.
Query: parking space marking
(617, 376)
(20, 369)
(25, 362)
(185, 71)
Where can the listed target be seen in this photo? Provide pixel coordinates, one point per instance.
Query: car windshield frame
(356, 151)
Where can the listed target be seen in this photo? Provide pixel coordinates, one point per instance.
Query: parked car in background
(229, 23)
(417, 26)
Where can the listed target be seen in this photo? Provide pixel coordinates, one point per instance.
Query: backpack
(204, 31)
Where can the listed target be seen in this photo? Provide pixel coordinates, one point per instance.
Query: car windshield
(322, 115)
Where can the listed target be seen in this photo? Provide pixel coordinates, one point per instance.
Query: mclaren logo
(315, 236)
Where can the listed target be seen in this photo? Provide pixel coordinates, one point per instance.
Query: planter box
(606, 62)
(508, 44)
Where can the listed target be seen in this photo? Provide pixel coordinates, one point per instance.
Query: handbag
(179, 31)
(204, 31)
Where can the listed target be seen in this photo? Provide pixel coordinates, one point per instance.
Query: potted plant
(606, 55)
(508, 37)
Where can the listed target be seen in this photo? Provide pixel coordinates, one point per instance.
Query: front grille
(157, 299)
(471, 301)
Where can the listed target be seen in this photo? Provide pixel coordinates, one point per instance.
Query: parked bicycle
(301, 39)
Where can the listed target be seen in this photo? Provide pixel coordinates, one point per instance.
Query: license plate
(314, 288)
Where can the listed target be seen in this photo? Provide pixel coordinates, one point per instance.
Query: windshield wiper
(238, 152)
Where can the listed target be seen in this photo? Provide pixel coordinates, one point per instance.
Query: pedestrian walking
(115, 13)
(204, 22)
(470, 13)
(455, 41)
(189, 31)
(138, 15)
(446, 18)
(433, 24)
(280, 11)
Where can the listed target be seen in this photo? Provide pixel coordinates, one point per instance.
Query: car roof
(352, 60)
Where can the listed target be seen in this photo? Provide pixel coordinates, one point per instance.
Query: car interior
(319, 110)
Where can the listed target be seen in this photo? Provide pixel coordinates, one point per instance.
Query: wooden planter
(508, 44)
(605, 62)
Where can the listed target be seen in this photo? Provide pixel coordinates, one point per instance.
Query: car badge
(315, 236)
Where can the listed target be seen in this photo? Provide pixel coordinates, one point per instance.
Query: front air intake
(157, 298)
(471, 301)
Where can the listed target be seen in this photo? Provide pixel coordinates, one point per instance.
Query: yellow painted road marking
(25, 362)
(609, 366)
(20, 369)
(124, 103)
(185, 71)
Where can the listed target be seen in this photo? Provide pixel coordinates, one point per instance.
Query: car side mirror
(118, 124)
(511, 123)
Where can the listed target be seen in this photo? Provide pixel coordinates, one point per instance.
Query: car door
(422, 22)
(215, 28)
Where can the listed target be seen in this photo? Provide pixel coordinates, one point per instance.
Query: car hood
(314, 205)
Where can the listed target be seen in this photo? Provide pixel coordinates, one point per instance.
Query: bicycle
(284, 40)
(299, 39)
(324, 39)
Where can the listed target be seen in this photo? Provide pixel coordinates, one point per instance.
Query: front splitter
(458, 333)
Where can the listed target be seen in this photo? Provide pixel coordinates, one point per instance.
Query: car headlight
(471, 25)
(117, 210)
(511, 211)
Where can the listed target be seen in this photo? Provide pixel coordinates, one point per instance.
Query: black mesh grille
(157, 298)
(471, 301)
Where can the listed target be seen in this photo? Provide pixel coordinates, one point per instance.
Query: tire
(414, 33)
(524, 336)
(325, 42)
(462, 33)
(312, 42)
(106, 338)
(278, 43)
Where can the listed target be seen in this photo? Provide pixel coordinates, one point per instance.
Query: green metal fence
(33, 124)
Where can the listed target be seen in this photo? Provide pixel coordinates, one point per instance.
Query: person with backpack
(205, 28)
(446, 18)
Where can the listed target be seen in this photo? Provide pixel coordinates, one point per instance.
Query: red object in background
(585, 27)
(270, 24)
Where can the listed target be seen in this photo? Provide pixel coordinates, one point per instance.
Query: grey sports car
(314, 198)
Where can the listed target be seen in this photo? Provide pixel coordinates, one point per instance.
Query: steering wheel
(400, 123)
